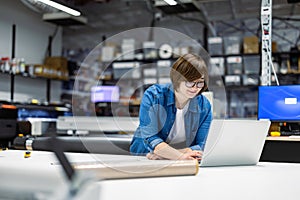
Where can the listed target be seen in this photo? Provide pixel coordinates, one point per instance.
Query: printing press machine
(8, 123)
(29, 127)
(106, 135)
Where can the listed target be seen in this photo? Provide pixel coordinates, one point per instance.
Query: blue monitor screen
(279, 103)
(105, 93)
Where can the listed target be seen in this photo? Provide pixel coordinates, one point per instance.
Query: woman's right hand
(191, 155)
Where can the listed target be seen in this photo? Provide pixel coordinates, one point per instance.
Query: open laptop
(234, 142)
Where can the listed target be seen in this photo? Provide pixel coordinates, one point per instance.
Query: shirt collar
(193, 107)
(171, 95)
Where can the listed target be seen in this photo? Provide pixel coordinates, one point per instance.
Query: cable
(271, 62)
(273, 68)
(49, 44)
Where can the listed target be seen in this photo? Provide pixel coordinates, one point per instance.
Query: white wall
(31, 43)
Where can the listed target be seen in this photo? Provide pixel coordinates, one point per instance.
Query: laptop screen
(279, 103)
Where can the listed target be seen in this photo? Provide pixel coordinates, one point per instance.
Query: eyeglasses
(199, 84)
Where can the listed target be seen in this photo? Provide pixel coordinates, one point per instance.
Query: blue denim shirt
(157, 116)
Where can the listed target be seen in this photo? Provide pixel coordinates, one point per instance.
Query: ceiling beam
(233, 10)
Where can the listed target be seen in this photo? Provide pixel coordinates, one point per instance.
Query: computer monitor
(279, 103)
(105, 93)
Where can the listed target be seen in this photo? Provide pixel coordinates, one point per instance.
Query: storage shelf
(229, 55)
(32, 77)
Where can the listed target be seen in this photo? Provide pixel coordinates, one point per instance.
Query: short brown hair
(189, 67)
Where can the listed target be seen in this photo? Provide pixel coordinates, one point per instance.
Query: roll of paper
(165, 51)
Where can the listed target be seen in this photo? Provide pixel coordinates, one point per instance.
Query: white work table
(275, 181)
(272, 181)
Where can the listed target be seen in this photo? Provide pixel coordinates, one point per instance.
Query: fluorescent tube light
(61, 7)
(171, 2)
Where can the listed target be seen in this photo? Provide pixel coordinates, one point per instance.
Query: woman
(175, 118)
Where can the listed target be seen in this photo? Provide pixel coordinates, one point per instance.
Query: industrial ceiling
(222, 17)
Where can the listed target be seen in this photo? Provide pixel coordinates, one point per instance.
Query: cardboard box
(56, 68)
(251, 44)
(274, 46)
(57, 62)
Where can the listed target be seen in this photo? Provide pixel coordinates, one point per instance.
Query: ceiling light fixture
(61, 7)
(171, 2)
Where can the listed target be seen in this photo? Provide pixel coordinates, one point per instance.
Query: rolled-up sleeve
(152, 115)
(196, 148)
(152, 142)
